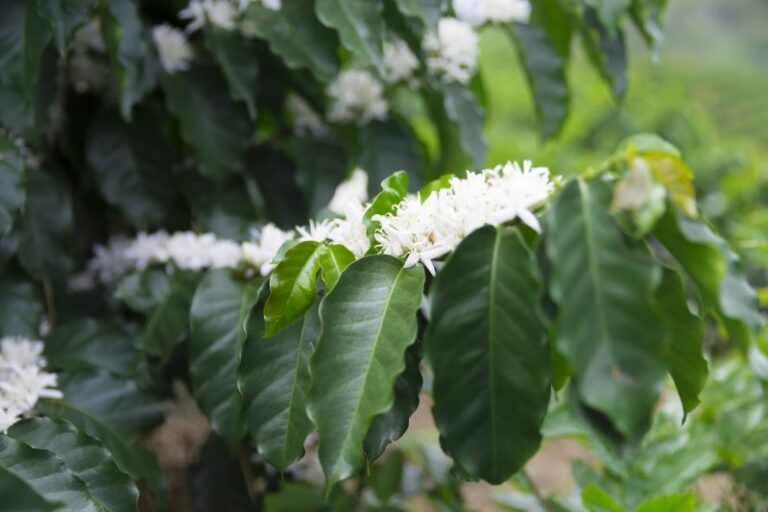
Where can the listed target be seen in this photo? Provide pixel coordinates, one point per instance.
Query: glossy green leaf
(440, 183)
(545, 66)
(356, 363)
(237, 57)
(21, 309)
(295, 34)
(110, 489)
(18, 496)
(65, 17)
(682, 502)
(87, 343)
(394, 188)
(217, 318)
(360, 27)
(45, 247)
(210, 121)
(391, 425)
(717, 272)
(143, 290)
(333, 260)
(292, 286)
(274, 379)
(12, 177)
(606, 49)
(684, 357)
(487, 346)
(596, 499)
(216, 480)
(47, 475)
(607, 327)
(127, 42)
(428, 11)
(167, 325)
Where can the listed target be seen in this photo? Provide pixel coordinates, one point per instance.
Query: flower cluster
(172, 47)
(478, 12)
(399, 61)
(356, 95)
(426, 230)
(23, 381)
(452, 50)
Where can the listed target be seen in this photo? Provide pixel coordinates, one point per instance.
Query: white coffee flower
(317, 231)
(399, 61)
(305, 119)
(357, 95)
(224, 254)
(194, 13)
(23, 380)
(274, 5)
(149, 248)
(350, 230)
(353, 190)
(759, 362)
(262, 251)
(112, 260)
(172, 47)
(638, 188)
(452, 50)
(221, 13)
(477, 12)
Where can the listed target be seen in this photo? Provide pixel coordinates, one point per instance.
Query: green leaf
(440, 183)
(391, 425)
(606, 49)
(462, 108)
(236, 56)
(607, 327)
(545, 66)
(217, 318)
(21, 310)
(110, 489)
(167, 325)
(65, 17)
(386, 146)
(127, 42)
(428, 11)
(360, 27)
(274, 379)
(717, 272)
(87, 343)
(321, 163)
(210, 121)
(387, 478)
(292, 286)
(356, 363)
(18, 496)
(333, 260)
(143, 290)
(394, 188)
(46, 228)
(295, 34)
(12, 177)
(610, 12)
(46, 474)
(486, 343)
(684, 358)
(125, 176)
(648, 16)
(682, 502)
(597, 500)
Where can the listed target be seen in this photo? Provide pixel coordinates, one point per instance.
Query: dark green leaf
(217, 318)
(360, 27)
(86, 343)
(459, 119)
(12, 177)
(387, 477)
(610, 12)
(356, 363)
(386, 146)
(295, 34)
(428, 11)
(65, 17)
(18, 496)
(23, 37)
(320, 167)
(648, 16)
(143, 290)
(20, 308)
(109, 488)
(292, 286)
(607, 326)
(274, 379)
(216, 481)
(237, 57)
(127, 42)
(391, 425)
(607, 50)
(296, 497)
(333, 260)
(685, 361)
(167, 325)
(488, 347)
(210, 121)
(46, 228)
(717, 272)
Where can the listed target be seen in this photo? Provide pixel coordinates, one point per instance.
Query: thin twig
(50, 302)
(536, 492)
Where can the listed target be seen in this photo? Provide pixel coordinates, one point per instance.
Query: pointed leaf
(237, 57)
(333, 260)
(295, 34)
(610, 12)
(274, 379)
(717, 272)
(463, 109)
(356, 363)
(607, 327)
(487, 347)
(110, 488)
(292, 286)
(12, 177)
(648, 16)
(360, 27)
(606, 48)
(217, 323)
(65, 17)
(681, 502)
(684, 359)
(597, 500)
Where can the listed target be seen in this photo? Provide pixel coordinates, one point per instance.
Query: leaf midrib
(491, 352)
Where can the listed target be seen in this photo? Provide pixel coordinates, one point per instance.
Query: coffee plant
(260, 208)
